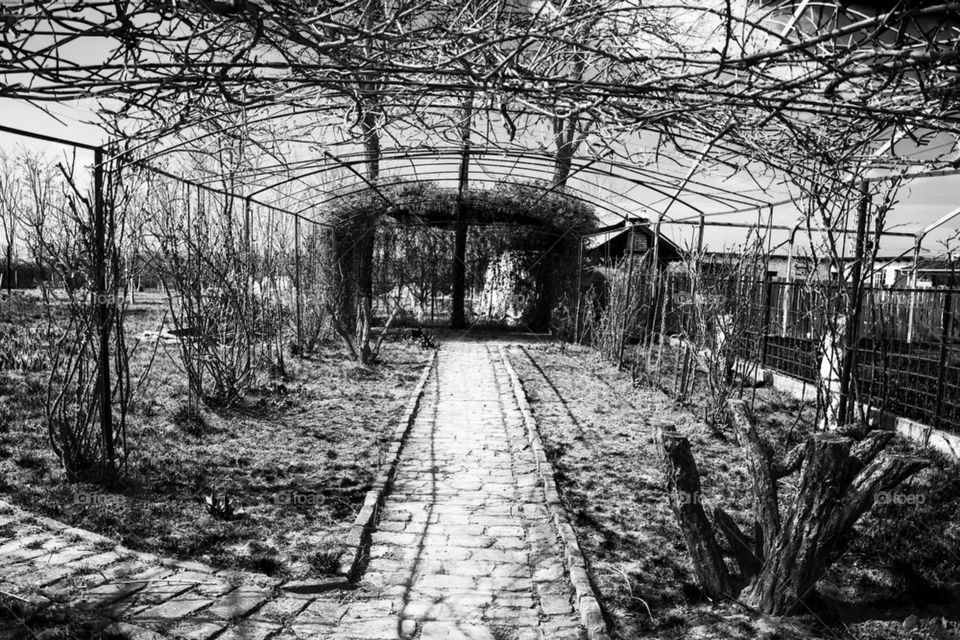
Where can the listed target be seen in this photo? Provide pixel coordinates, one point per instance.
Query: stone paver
(464, 547)
(464, 544)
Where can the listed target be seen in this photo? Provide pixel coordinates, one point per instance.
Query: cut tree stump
(798, 554)
(839, 481)
(683, 486)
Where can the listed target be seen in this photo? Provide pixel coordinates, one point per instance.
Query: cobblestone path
(464, 548)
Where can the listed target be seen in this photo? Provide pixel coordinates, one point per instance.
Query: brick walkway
(464, 548)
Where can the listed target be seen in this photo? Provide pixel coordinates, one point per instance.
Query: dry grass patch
(599, 432)
(294, 460)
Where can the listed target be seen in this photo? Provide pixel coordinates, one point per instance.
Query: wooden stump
(839, 481)
(683, 486)
(797, 556)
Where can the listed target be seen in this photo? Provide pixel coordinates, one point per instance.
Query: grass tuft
(27, 619)
(326, 561)
(191, 420)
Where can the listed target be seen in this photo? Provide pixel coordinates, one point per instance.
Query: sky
(68, 121)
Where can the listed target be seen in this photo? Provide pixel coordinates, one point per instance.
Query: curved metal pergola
(669, 112)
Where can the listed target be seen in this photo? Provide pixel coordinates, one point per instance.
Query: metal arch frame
(535, 161)
(488, 155)
(287, 110)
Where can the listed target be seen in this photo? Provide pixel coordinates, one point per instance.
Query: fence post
(296, 284)
(103, 310)
(765, 320)
(576, 320)
(654, 291)
(787, 300)
(854, 306)
(913, 290)
(626, 310)
(193, 244)
(248, 265)
(946, 326)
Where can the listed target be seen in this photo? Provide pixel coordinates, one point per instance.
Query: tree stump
(683, 486)
(838, 483)
(797, 555)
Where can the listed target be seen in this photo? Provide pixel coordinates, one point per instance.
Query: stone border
(588, 605)
(357, 541)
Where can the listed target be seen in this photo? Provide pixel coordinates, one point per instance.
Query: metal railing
(905, 358)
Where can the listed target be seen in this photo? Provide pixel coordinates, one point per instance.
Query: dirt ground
(897, 579)
(298, 455)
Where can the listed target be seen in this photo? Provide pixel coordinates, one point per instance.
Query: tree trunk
(798, 557)
(791, 462)
(364, 264)
(765, 504)
(458, 313)
(884, 473)
(9, 268)
(683, 487)
(870, 447)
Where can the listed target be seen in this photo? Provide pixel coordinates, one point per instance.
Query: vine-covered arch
(534, 231)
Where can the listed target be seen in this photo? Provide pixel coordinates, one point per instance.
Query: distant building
(887, 272)
(610, 245)
(930, 273)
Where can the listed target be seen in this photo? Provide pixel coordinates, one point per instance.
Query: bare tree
(11, 210)
(84, 256)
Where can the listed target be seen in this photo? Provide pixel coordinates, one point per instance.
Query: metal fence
(906, 356)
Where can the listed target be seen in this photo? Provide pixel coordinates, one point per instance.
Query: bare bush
(721, 322)
(207, 273)
(84, 256)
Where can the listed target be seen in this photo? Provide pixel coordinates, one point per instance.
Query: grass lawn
(904, 560)
(317, 436)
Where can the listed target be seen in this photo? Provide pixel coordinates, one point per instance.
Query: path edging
(588, 604)
(357, 542)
